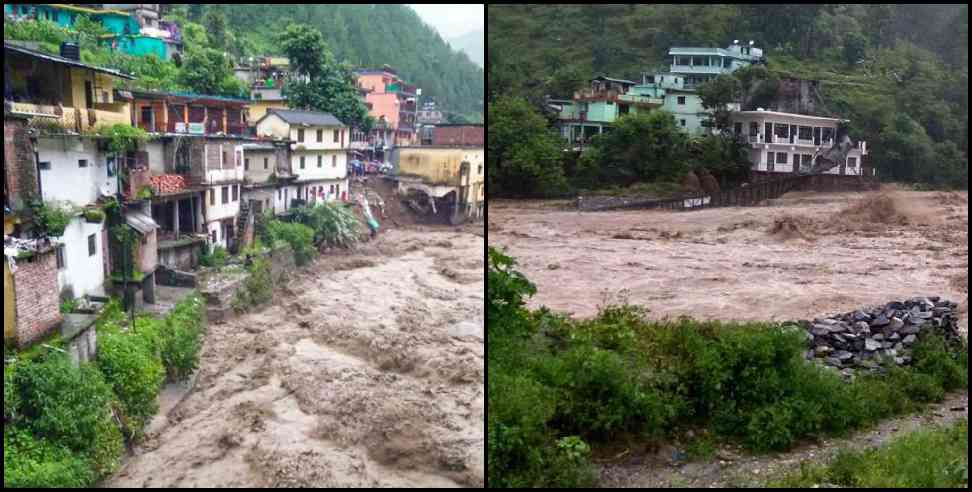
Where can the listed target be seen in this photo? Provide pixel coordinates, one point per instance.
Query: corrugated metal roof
(310, 118)
(62, 60)
(140, 222)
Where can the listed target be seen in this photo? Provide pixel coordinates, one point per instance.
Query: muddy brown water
(367, 371)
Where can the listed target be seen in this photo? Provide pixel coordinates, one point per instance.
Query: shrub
(334, 224)
(257, 289)
(506, 290)
(299, 236)
(136, 374)
(932, 356)
(94, 215)
(68, 306)
(181, 338)
(11, 395)
(215, 257)
(54, 217)
(29, 462)
(64, 404)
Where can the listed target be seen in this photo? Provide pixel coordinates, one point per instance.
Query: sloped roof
(60, 59)
(309, 118)
(622, 81)
(140, 222)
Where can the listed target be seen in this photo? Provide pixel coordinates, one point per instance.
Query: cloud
(452, 20)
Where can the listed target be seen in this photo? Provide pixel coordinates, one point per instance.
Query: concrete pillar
(148, 288)
(175, 217)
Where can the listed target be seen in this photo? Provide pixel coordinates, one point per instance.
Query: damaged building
(443, 180)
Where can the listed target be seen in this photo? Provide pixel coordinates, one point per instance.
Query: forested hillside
(365, 36)
(899, 72)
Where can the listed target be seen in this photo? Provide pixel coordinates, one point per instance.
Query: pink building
(394, 100)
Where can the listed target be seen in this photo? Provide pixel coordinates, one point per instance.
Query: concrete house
(451, 177)
(268, 181)
(786, 142)
(595, 108)
(392, 99)
(318, 151)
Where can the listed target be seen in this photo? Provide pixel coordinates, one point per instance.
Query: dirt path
(724, 264)
(733, 468)
(366, 372)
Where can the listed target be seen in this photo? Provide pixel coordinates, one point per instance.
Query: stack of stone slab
(860, 339)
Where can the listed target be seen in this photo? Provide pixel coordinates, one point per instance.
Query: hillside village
(129, 204)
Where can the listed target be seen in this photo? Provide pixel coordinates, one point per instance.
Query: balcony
(711, 69)
(641, 100)
(591, 94)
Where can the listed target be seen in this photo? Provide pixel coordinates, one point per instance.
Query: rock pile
(860, 339)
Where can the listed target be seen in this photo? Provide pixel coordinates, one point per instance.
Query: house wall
(334, 164)
(458, 135)
(220, 169)
(37, 302)
(327, 138)
(273, 126)
(384, 104)
(259, 107)
(256, 173)
(82, 274)
(688, 111)
(282, 197)
(156, 157)
(221, 210)
(438, 166)
(604, 111)
(9, 304)
(65, 180)
(324, 190)
(148, 252)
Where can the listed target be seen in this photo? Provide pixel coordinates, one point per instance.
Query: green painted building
(595, 109)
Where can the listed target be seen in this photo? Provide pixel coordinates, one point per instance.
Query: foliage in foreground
(926, 458)
(298, 236)
(63, 425)
(333, 223)
(257, 289)
(619, 374)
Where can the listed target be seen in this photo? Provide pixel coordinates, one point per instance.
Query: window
(681, 100)
(738, 127)
(320, 160)
(279, 194)
(782, 131)
(806, 161)
(301, 162)
(683, 122)
(212, 196)
(805, 133)
(44, 166)
(236, 193)
(753, 128)
(852, 162)
(480, 169)
(225, 195)
(781, 157)
(651, 79)
(82, 163)
(224, 161)
(265, 161)
(331, 188)
(300, 134)
(212, 235)
(334, 161)
(246, 164)
(320, 135)
(60, 257)
(335, 136)
(91, 245)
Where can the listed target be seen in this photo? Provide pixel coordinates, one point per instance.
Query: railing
(697, 69)
(592, 94)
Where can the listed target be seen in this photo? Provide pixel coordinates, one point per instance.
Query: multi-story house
(73, 172)
(194, 168)
(786, 142)
(318, 151)
(135, 29)
(392, 98)
(596, 108)
(265, 77)
(268, 180)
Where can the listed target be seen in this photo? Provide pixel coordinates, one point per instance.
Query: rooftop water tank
(71, 51)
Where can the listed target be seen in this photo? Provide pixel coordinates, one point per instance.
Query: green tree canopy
(523, 155)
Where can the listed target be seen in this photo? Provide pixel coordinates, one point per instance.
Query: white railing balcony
(804, 141)
(697, 69)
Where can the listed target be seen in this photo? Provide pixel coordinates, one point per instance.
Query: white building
(787, 142)
(73, 172)
(319, 144)
(268, 179)
(224, 179)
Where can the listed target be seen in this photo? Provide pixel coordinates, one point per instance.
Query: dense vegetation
(216, 35)
(937, 457)
(65, 426)
(898, 72)
(557, 385)
(364, 35)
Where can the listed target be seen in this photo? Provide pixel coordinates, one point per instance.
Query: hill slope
(472, 45)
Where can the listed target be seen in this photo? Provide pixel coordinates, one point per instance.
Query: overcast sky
(452, 20)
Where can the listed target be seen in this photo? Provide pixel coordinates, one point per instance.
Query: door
(816, 135)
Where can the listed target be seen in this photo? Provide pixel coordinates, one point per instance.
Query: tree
(215, 23)
(641, 147)
(854, 47)
(88, 31)
(317, 82)
(523, 155)
(207, 71)
(716, 96)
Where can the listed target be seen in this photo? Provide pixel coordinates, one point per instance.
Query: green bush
(54, 216)
(299, 236)
(181, 338)
(932, 356)
(29, 462)
(11, 395)
(135, 373)
(257, 290)
(68, 306)
(334, 224)
(506, 290)
(215, 257)
(62, 403)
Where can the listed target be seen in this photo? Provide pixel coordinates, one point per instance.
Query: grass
(927, 458)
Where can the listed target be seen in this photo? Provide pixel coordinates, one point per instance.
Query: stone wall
(174, 278)
(219, 288)
(860, 339)
(282, 263)
(38, 307)
(182, 257)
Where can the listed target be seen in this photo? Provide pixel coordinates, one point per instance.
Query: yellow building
(80, 97)
(448, 175)
(258, 108)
